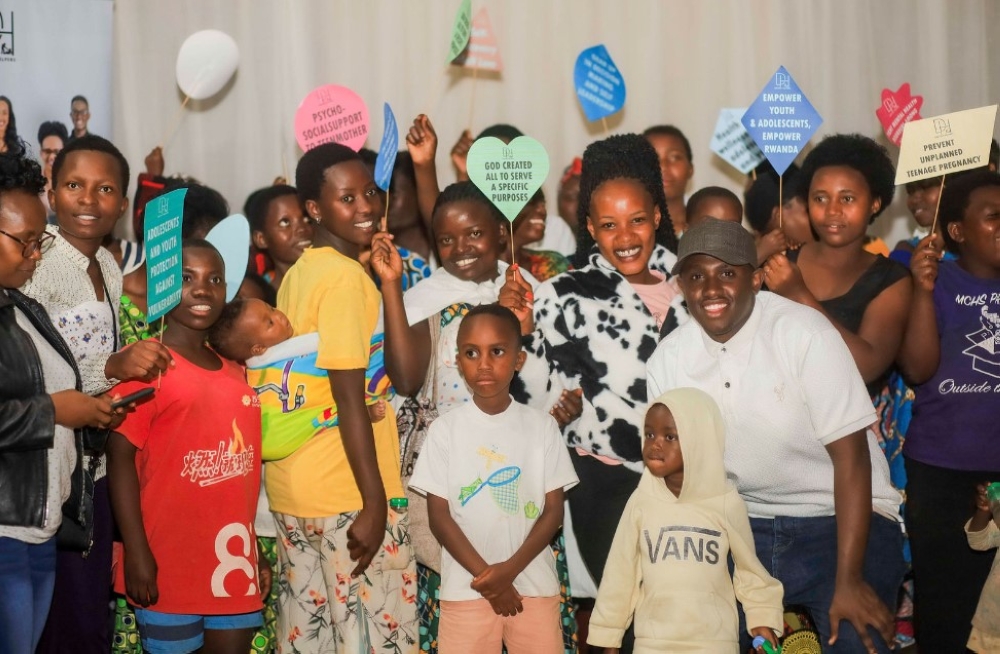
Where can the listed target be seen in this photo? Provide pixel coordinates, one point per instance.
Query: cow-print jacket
(592, 331)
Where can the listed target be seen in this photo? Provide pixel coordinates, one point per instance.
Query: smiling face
(661, 447)
(719, 296)
(88, 198)
(468, 239)
(22, 216)
(978, 233)
(840, 205)
(203, 289)
(529, 226)
(4, 118)
(489, 353)
(79, 113)
(287, 230)
(676, 168)
(349, 204)
(623, 222)
(921, 200)
(50, 147)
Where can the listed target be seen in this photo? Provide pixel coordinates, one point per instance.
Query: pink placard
(897, 109)
(331, 114)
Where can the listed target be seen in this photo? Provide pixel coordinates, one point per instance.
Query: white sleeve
(559, 471)
(430, 473)
(834, 392)
(619, 592)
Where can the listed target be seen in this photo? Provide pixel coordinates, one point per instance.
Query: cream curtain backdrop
(682, 61)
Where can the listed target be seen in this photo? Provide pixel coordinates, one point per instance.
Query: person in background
(52, 137)
(714, 202)
(983, 533)
(279, 227)
(79, 284)
(405, 224)
(79, 114)
(529, 228)
(9, 140)
(774, 231)
(40, 407)
(673, 150)
(569, 195)
(949, 356)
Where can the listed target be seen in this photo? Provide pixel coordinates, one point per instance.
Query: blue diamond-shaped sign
(781, 120)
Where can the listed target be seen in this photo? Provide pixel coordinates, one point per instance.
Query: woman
(9, 141)
(40, 406)
(592, 330)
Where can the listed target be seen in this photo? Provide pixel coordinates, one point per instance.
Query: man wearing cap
(824, 515)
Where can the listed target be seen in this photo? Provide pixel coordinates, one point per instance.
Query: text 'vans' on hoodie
(668, 561)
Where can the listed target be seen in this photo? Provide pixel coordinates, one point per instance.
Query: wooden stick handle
(938, 205)
(175, 121)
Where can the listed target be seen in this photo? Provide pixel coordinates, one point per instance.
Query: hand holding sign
(508, 174)
(387, 158)
(599, 85)
(331, 114)
(949, 143)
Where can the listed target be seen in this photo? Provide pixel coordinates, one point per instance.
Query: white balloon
(231, 238)
(205, 62)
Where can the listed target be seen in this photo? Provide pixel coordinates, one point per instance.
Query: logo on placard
(162, 207)
(890, 104)
(985, 350)
(7, 36)
(782, 81)
(942, 127)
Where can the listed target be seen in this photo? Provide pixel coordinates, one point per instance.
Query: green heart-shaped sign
(508, 174)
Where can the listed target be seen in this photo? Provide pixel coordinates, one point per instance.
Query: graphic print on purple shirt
(955, 412)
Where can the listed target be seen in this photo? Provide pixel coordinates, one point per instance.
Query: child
(494, 473)
(185, 473)
(949, 354)
(668, 559)
(673, 150)
(714, 202)
(348, 578)
(763, 204)
(983, 532)
(281, 368)
(280, 227)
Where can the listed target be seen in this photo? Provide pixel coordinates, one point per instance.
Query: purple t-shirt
(956, 414)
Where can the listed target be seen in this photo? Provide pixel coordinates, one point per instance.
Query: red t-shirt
(199, 477)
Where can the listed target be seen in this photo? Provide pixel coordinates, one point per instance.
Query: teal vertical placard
(162, 226)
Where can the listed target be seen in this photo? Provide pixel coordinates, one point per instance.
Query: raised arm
(875, 346)
(421, 142)
(920, 353)
(407, 349)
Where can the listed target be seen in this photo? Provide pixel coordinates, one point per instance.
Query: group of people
(636, 425)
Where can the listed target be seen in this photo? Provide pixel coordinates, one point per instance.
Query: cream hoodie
(668, 561)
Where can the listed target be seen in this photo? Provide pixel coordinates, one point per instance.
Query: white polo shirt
(787, 386)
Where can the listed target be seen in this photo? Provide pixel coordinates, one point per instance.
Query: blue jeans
(801, 553)
(27, 576)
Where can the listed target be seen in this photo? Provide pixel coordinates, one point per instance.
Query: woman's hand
(385, 260)
(74, 409)
(459, 155)
(141, 361)
(421, 141)
(924, 262)
(784, 277)
(568, 408)
(517, 296)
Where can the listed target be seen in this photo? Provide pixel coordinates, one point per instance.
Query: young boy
(494, 473)
(296, 403)
(714, 202)
(668, 560)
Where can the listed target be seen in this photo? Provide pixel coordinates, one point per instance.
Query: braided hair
(623, 156)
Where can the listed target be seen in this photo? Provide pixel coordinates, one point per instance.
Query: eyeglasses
(41, 244)
(78, 112)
